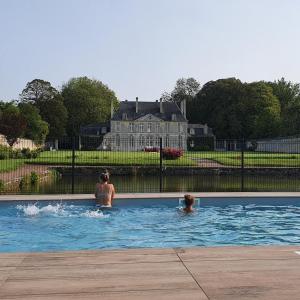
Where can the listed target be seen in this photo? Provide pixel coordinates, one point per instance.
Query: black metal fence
(152, 164)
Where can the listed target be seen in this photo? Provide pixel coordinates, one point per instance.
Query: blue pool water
(60, 226)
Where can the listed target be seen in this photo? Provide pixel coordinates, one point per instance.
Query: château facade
(139, 125)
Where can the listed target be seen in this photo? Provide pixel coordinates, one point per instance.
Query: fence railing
(151, 164)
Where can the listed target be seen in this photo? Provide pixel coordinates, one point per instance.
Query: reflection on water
(183, 183)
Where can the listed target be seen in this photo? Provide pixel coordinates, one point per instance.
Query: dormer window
(173, 117)
(192, 131)
(124, 116)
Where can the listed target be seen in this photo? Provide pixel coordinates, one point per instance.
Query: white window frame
(131, 127)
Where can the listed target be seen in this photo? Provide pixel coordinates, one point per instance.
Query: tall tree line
(236, 109)
(42, 112)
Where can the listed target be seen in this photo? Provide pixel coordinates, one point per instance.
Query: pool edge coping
(72, 197)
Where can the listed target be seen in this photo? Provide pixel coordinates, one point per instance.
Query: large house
(137, 125)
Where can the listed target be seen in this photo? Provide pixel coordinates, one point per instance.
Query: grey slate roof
(145, 108)
(94, 129)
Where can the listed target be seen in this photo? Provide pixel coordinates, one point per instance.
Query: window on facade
(141, 127)
(192, 131)
(167, 127)
(157, 143)
(161, 126)
(149, 141)
(167, 141)
(181, 126)
(131, 141)
(142, 141)
(118, 140)
(157, 127)
(180, 141)
(131, 127)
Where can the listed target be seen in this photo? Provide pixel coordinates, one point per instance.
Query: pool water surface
(54, 226)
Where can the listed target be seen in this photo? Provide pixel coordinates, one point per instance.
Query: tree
(87, 101)
(55, 114)
(236, 110)
(36, 129)
(50, 104)
(288, 94)
(261, 114)
(185, 89)
(12, 122)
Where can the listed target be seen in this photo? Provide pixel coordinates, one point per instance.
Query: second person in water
(105, 191)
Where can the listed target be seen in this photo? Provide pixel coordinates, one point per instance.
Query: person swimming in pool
(105, 192)
(189, 201)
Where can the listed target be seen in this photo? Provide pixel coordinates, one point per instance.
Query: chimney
(161, 110)
(205, 129)
(137, 104)
(111, 109)
(183, 107)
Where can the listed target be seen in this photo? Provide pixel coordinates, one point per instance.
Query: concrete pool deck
(66, 197)
(266, 272)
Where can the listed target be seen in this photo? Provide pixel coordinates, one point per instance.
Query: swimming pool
(76, 225)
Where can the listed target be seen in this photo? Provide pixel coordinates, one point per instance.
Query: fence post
(242, 164)
(73, 162)
(160, 166)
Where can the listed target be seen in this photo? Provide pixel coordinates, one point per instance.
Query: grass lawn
(10, 164)
(251, 159)
(106, 158)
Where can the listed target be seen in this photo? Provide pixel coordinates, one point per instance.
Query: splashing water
(34, 210)
(94, 214)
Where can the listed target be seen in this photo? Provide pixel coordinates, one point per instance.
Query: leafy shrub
(26, 153)
(151, 149)
(203, 148)
(34, 154)
(1, 186)
(4, 155)
(4, 152)
(25, 181)
(55, 174)
(34, 178)
(171, 153)
(17, 154)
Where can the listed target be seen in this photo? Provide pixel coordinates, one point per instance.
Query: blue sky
(141, 47)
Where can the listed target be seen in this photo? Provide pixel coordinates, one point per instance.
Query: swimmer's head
(104, 177)
(189, 200)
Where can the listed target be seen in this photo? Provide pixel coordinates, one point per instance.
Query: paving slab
(238, 252)
(98, 259)
(168, 294)
(267, 272)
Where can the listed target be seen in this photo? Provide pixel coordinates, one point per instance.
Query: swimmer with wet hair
(189, 201)
(105, 191)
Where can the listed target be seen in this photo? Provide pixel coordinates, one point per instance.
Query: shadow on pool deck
(195, 273)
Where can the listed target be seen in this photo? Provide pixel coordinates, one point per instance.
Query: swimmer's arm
(112, 193)
(96, 190)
